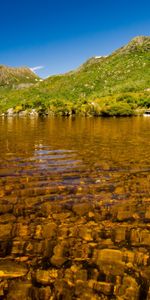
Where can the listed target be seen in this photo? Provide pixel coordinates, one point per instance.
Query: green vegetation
(16, 77)
(115, 85)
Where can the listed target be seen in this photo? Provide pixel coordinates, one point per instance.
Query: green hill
(12, 77)
(118, 84)
(127, 69)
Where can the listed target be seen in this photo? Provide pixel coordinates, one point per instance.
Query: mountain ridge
(11, 76)
(138, 43)
(101, 84)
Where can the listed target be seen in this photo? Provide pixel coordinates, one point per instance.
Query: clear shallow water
(80, 156)
(74, 208)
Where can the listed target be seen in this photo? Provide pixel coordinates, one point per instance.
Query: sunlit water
(64, 158)
(74, 208)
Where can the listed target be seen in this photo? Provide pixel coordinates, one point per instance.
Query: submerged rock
(110, 261)
(51, 250)
(10, 269)
(19, 290)
(60, 254)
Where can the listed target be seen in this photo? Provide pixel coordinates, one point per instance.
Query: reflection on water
(67, 151)
(74, 194)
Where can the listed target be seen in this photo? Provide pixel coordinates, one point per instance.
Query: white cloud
(34, 69)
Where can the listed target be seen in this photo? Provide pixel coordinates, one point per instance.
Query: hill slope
(114, 85)
(127, 69)
(14, 76)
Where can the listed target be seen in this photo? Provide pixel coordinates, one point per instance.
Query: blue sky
(60, 35)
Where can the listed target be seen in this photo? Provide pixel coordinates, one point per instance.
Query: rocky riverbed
(74, 249)
(74, 209)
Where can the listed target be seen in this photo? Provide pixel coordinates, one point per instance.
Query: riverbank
(29, 102)
(36, 112)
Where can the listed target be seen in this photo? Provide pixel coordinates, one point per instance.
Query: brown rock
(82, 208)
(140, 237)
(45, 277)
(60, 252)
(119, 190)
(18, 247)
(110, 261)
(46, 209)
(10, 269)
(22, 230)
(42, 277)
(147, 214)
(45, 293)
(129, 289)
(145, 272)
(3, 287)
(105, 288)
(120, 234)
(81, 275)
(49, 230)
(86, 234)
(5, 231)
(5, 207)
(126, 211)
(19, 290)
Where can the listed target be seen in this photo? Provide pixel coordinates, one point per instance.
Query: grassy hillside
(12, 77)
(115, 85)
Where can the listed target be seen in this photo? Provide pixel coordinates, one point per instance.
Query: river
(74, 208)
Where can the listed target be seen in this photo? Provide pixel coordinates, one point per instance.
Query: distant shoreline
(35, 114)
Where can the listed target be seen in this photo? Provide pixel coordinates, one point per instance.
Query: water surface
(74, 208)
(38, 154)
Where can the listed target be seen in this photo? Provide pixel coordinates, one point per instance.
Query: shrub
(18, 108)
(117, 109)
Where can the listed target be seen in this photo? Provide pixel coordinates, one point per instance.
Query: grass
(113, 85)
